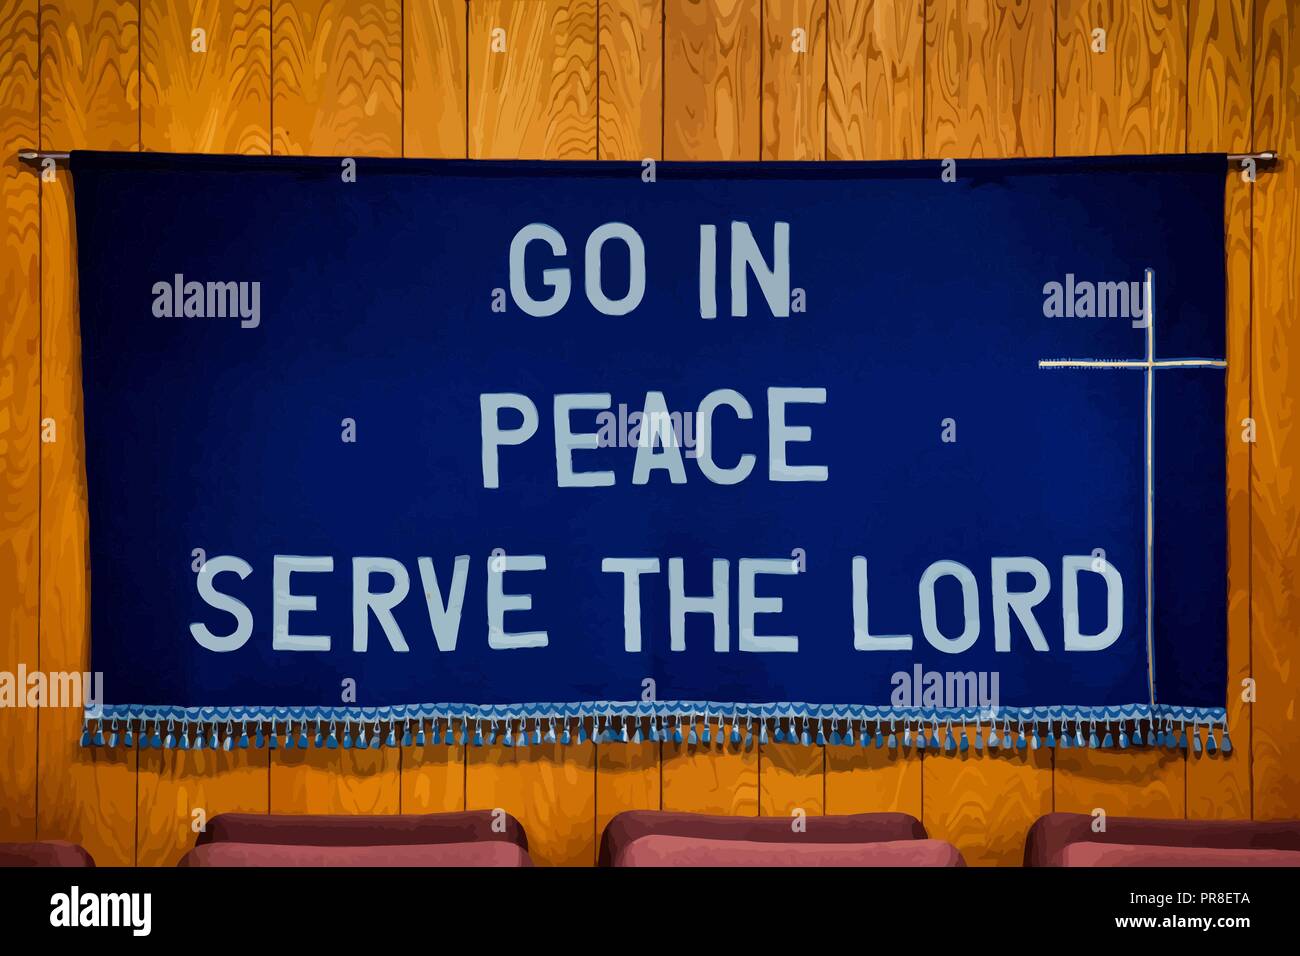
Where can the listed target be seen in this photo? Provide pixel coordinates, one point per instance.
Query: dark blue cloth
(925, 302)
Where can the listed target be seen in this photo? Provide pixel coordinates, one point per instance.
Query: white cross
(1148, 367)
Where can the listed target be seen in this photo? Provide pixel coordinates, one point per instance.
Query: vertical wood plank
(1130, 99)
(89, 99)
(532, 82)
(631, 79)
(983, 802)
(19, 409)
(180, 790)
(1275, 525)
(549, 788)
(1219, 98)
(794, 79)
(217, 100)
(434, 108)
(337, 89)
(711, 79)
(1220, 51)
(792, 777)
(532, 79)
(876, 80)
(337, 77)
(630, 58)
(712, 104)
(989, 83)
(712, 777)
(433, 778)
(90, 89)
(870, 780)
(1133, 97)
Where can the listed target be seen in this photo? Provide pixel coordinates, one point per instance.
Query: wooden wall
(627, 79)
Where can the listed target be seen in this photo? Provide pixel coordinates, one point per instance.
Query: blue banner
(491, 449)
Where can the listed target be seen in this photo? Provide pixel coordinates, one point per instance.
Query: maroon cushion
(848, 828)
(1118, 854)
(1052, 833)
(391, 830)
(44, 853)
(480, 853)
(676, 851)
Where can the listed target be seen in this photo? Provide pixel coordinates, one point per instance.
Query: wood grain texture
(336, 781)
(549, 788)
(1133, 97)
(1130, 99)
(1275, 526)
(631, 79)
(627, 778)
(712, 102)
(536, 98)
(89, 99)
(710, 777)
(1220, 53)
(989, 83)
(1219, 96)
(983, 803)
(86, 794)
(181, 790)
(336, 67)
(434, 109)
(19, 408)
(433, 778)
(1149, 783)
(90, 80)
(791, 778)
(794, 79)
(876, 79)
(867, 780)
(218, 101)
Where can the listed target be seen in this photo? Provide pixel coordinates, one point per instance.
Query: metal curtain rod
(35, 156)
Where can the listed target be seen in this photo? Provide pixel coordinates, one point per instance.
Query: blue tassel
(677, 731)
(1123, 738)
(182, 744)
(1051, 736)
(762, 731)
(566, 736)
(920, 738)
(347, 735)
(243, 737)
(1196, 740)
(259, 739)
(1226, 746)
(907, 735)
(821, 735)
(1021, 742)
(1137, 734)
(1092, 737)
(377, 737)
(200, 742)
(99, 734)
(1109, 740)
(735, 732)
(113, 735)
(1210, 744)
(406, 734)
(848, 734)
(1033, 739)
(582, 731)
(1006, 736)
(749, 733)
(964, 743)
(551, 738)
(1182, 740)
(130, 734)
(478, 733)
(979, 737)
(993, 738)
(509, 739)
(893, 741)
(779, 734)
(835, 737)
(228, 742)
(156, 740)
(419, 733)
(950, 744)
(880, 737)
(333, 742)
(706, 736)
(693, 737)
(85, 735)
(288, 735)
(805, 738)
(273, 739)
(1066, 741)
